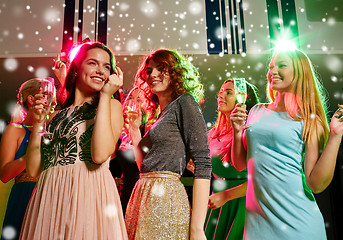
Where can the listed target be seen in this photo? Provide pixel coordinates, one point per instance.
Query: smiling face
(281, 73)
(226, 98)
(94, 70)
(158, 79)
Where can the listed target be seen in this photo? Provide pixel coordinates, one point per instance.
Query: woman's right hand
(238, 117)
(336, 124)
(39, 112)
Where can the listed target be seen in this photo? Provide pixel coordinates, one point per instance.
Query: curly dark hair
(67, 94)
(184, 77)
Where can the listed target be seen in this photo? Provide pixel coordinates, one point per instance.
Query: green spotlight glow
(285, 46)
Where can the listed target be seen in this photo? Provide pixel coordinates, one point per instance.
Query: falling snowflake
(11, 64)
(124, 7)
(145, 149)
(219, 185)
(195, 8)
(46, 141)
(283, 227)
(129, 155)
(133, 45)
(20, 35)
(331, 21)
(9, 232)
(214, 221)
(226, 164)
(149, 9)
(158, 190)
(111, 211)
(334, 78)
(324, 48)
(2, 126)
(42, 72)
(334, 64)
(51, 16)
(110, 13)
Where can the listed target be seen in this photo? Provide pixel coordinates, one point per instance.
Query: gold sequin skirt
(158, 208)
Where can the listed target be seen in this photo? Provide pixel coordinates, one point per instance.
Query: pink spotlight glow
(73, 52)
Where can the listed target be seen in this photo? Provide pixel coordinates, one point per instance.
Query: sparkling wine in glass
(48, 91)
(240, 90)
(132, 108)
(132, 105)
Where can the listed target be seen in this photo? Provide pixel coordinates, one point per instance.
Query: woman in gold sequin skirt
(159, 207)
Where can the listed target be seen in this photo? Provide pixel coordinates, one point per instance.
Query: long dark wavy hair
(67, 94)
(184, 77)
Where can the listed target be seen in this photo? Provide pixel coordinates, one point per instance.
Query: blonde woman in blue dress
(291, 152)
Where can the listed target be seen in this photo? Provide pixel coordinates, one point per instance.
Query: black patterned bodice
(70, 139)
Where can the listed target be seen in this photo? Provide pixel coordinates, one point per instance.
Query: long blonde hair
(306, 99)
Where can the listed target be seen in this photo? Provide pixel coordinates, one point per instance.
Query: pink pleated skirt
(78, 201)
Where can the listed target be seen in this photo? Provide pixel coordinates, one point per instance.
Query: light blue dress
(279, 203)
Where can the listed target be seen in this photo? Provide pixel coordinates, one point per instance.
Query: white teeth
(154, 82)
(98, 79)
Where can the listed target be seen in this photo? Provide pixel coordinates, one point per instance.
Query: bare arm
(108, 122)
(10, 142)
(192, 127)
(201, 190)
(33, 153)
(132, 123)
(319, 168)
(217, 200)
(238, 153)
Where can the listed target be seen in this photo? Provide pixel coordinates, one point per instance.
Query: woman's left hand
(190, 166)
(60, 69)
(114, 82)
(216, 200)
(336, 124)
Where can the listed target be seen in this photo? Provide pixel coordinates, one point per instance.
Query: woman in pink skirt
(76, 196)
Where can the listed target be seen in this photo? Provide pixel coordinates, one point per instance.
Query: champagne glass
(48, 91)
(132, 107)
(240, 90)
